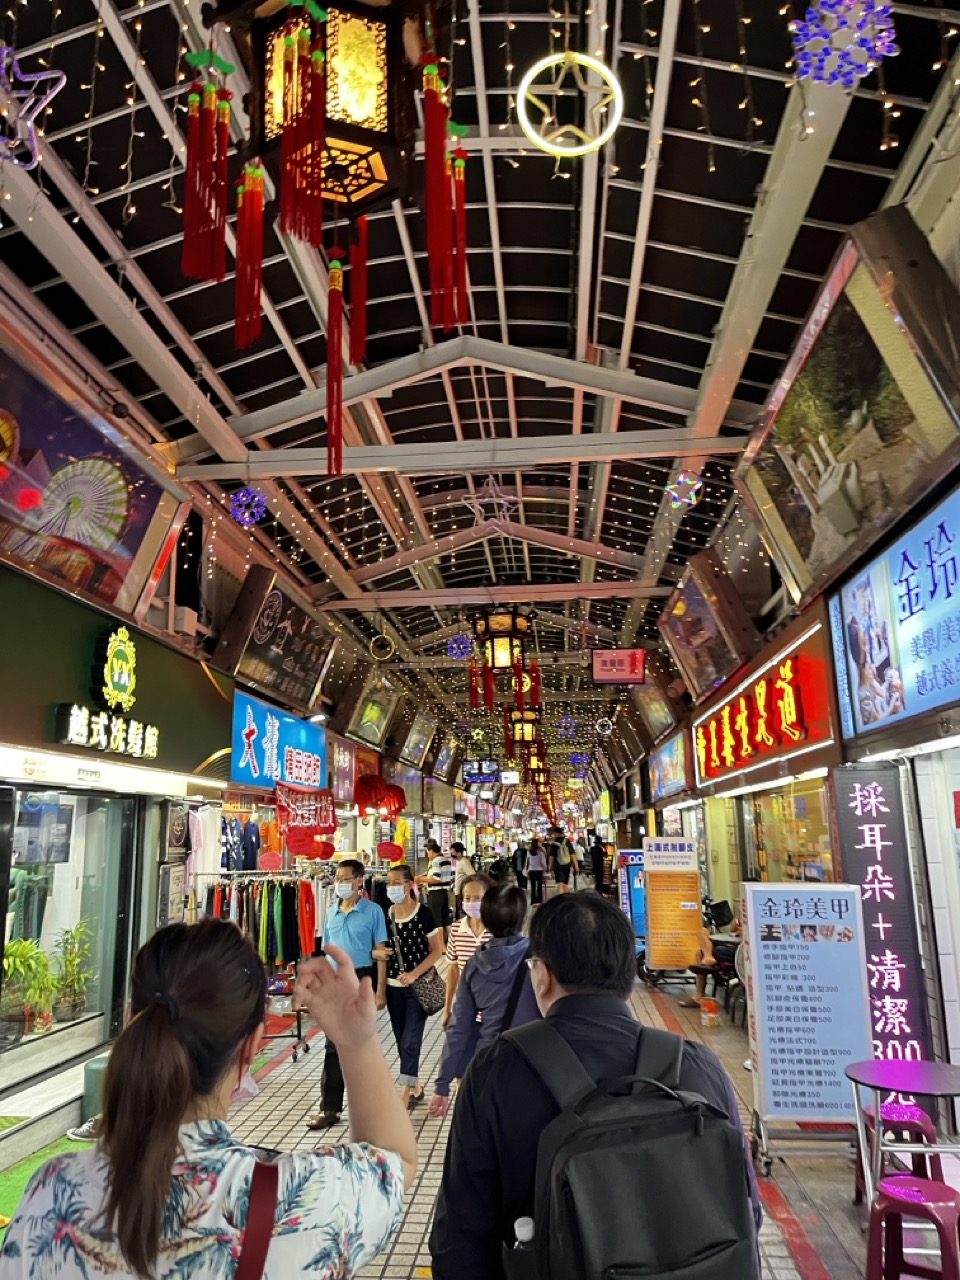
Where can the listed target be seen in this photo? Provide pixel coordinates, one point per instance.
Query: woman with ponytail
(167, 1191)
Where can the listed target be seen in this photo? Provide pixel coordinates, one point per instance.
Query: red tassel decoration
(518, 682)
(358, 294)
(460, 234)
(219, 242)
(335, 368)
(534, 684)
(317, 141)
(288, 136)
(474, 687)
(199, 259)
(489, 688)
(249, 311)
(436, 191)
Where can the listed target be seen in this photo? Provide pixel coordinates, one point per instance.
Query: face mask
(396, 893)
(245, 1089)
(344, 889)
(472, 909)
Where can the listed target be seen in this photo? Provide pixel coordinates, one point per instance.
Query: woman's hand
(407, 979)
(382, 952)
(445, 1020)
(342, 1005)
(439, 1106)
(381, 999)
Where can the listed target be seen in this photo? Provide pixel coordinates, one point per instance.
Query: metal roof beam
(502, 453)
(520, 593)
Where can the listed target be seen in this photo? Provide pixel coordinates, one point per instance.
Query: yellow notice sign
(673, 903)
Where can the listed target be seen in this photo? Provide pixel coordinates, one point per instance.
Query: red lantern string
(248, 307)
(335, 367)
(199, 258)
(474, 687)
(460, 234)
(289, 135)
(436, 192)
(192, 203)
(534, 684)
(518, 682)
(358, 293)
(489, 688)
(316, 129)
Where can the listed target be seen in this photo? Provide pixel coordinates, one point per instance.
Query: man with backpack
(648, 1178)
(563, 859)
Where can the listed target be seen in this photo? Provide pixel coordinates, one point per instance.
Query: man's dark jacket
(501, 1110)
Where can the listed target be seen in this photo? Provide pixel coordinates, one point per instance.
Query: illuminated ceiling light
(247, 506)
(685, 491)
(606, 114)
(841, 41)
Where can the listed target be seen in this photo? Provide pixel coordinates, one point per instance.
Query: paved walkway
(290, 1092)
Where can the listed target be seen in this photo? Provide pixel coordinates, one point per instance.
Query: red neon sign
(783, 705)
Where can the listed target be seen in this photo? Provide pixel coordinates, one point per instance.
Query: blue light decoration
(460, 646)
(841, 41)
(247, 506)
(685, 491)
(583, 774)
(567, 727)
(580, 758)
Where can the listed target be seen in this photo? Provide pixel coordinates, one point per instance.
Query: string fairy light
(89, 163)
(700, 96)
(129, 210)
(751, 120)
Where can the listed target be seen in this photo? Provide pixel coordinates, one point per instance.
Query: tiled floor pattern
(291, 1092)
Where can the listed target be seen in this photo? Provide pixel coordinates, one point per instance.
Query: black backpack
(634, 1178)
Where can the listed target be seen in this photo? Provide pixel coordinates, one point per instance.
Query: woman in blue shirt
(356, 925)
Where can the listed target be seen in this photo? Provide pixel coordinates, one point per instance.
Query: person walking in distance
(536, 866)
(464, 867)
(167, 1191)
(439, 882)
(598, 859)
(583, 969)
(563, 859)
(416, 946)
(519, 860)
(465, 936)
(355, 925)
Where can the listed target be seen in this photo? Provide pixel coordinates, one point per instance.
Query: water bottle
(523, 1229)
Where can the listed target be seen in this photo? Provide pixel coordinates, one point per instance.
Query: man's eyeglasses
(531, 961)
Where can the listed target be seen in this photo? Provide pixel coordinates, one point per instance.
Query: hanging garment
(272, 942)
(264, 913)
(307, 918)
(234, 914)
(251, 846)
(289, 894)
(278, 923)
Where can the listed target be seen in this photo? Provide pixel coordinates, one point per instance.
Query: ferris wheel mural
(71, 502)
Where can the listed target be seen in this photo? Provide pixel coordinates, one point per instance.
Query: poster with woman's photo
(871, 644)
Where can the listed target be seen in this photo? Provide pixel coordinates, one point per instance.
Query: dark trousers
(331, 1081)
(536, 887)
(408, 1021)
(521, 880)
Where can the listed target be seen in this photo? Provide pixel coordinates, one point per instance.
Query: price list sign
(808, 998)
(673, 903)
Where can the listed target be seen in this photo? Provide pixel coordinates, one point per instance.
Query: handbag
(261, 1215)
(429, 988)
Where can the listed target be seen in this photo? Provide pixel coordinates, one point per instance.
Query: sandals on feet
(325, 1120)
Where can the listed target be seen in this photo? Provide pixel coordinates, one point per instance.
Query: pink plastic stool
(909, 1124)
(908, 1197)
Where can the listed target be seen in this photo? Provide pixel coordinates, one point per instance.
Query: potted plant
(73, 954)
(39, 993)
(22, 958)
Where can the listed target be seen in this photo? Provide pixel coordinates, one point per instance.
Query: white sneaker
(87, 1132)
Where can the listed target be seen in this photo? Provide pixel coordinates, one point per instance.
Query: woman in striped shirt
(465, 936)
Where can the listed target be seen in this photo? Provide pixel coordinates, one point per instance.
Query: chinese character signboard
(781, 710)
(669, 768)
(896, 627)
(619, 666)
(273, 643)
(343, 762)
(808, 998)
(873, 854)
(271, 746)
(673, 902)
(633, 893)
(304, 814)
(113, 686)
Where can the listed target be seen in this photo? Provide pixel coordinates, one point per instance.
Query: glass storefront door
(786, 833)
(67, 866)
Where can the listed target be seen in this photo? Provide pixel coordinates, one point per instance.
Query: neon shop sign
(768, 715)
(873, 849)
(114, 683)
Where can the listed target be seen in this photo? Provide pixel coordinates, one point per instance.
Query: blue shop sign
(271, 746)
(896, 627)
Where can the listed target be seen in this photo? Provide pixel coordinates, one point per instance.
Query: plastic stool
(910, 1124)
(908, 1197)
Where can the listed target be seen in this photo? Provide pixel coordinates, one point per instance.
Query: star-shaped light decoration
(501, 505)
(685, 491)
(599, 86)
(27, 95)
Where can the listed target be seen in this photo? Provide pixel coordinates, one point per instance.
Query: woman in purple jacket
(494, 992)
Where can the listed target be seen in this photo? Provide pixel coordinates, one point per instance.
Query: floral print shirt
(336, 1209)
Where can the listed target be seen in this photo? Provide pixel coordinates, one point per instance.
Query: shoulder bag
(429, 988)
(261, 1216)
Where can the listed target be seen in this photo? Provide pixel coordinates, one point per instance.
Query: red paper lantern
(389, 851)
(323, 850)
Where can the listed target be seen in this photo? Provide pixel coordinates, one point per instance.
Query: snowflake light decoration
(580, 758)
(841, 41)
(247, 506)
(567, 727)
(604, 726)
(685, 490)
(460, 646)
